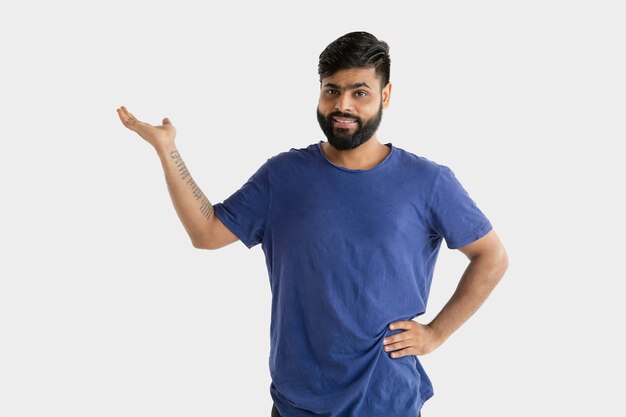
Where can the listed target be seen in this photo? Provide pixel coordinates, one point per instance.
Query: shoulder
(421, 165)
(294, 156)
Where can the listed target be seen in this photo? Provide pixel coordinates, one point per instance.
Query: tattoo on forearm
(206, 208)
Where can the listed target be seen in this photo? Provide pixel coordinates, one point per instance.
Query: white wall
(106, 309)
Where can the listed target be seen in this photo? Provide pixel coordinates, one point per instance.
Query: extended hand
(157, 136)
(417, 339)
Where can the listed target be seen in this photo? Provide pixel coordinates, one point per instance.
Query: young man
(351, 229)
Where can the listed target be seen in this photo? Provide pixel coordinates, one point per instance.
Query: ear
(386, 95)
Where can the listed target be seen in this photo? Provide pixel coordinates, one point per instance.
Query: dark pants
(275, 412)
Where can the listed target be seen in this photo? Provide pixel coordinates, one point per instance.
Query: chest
(377, 211)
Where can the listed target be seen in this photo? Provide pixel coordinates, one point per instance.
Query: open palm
(157, 136)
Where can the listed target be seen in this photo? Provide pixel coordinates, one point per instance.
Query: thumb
(166, 121)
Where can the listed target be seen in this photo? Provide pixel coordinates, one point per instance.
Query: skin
(343, 91)
(193, 208)
(487, 256)
(488, 263)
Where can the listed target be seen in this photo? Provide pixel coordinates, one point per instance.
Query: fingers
(127, 113)
(126, 117)
(403, 324)
(397, 346)
(130, 120)
(397, 338)
(404, 339)
(400, 344)
(394, 344)
(404, 352)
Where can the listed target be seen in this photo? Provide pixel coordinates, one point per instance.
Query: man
(351, 229)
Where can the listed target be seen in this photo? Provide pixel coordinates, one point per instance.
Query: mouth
(343, 122)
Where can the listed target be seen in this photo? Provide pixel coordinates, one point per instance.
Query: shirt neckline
(357, 171)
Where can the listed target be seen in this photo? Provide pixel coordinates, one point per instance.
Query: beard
(340, 137)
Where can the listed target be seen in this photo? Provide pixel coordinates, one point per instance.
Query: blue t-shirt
(347, 253)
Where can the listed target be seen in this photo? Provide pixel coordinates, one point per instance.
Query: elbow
(202, 243)
(202, 246)
(501, 263)
(198, 245)
(505, 262)
(495, 264)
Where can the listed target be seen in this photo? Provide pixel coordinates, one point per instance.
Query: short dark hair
(356, 50)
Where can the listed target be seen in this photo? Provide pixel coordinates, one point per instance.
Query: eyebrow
(353, 86)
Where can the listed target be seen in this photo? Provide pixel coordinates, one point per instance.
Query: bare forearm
(479, 279)
(192, 206)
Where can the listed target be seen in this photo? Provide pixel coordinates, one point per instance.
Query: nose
(344, 103)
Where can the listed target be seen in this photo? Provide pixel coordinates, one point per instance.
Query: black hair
(356, 50)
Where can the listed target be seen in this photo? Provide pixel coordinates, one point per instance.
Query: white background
(106, 309)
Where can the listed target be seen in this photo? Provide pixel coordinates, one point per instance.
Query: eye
(331, 91)
(361, 93)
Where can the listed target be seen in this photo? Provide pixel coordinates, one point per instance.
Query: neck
(365, 156)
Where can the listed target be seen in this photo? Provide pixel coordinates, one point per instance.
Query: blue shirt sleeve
(245, 212)
(454, 215)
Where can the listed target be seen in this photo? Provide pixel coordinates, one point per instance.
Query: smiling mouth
(343, 121)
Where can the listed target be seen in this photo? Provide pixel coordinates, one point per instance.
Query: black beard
(340, 138)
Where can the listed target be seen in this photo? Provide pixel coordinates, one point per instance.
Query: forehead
(351, 76)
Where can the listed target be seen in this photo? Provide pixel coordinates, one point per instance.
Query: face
(351, 106)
